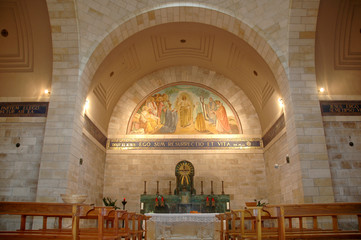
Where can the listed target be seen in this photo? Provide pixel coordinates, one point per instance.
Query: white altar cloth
(183, 226)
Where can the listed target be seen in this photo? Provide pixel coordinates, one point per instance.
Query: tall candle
(170, 187)
(157, 187)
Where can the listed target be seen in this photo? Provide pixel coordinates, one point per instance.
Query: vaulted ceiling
(26, 54)
(176, 44)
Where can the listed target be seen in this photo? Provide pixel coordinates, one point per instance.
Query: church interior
(104, 98)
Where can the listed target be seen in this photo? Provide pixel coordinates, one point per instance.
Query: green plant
(260, 204)
(109, 202)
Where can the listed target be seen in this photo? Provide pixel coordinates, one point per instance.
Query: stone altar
(202, 226)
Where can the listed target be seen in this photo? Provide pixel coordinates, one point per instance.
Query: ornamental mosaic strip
(94, 131)
(340, 108)
(183, 144)
(274, 130)
(24, 109)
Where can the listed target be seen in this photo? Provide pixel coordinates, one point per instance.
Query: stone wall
(91, 171)
(281, 181)
(243, 174)
(19, 166)
(345, 160)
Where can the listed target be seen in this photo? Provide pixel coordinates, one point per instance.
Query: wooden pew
(45, 210)
(100, 215)
(302, 212)
(291, 222)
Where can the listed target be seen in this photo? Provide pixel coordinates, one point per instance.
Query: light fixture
(86, 104)
(321, 90)
(47, 92)
(280, 165)
(280, 102)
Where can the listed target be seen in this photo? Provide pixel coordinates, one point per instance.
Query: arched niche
(184, 108)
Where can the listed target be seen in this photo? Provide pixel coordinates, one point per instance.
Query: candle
(124, 200)
(141, 206)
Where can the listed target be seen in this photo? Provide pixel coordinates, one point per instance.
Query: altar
(183, 226)
(184, 199)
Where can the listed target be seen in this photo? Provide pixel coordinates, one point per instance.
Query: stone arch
(139, 90)
(187, 14)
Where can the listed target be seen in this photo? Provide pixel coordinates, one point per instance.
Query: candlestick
(157, 187)
(211, 187)
(124, 202)
(170, 187)
(201, 187)
(145, 187)
(222, 188)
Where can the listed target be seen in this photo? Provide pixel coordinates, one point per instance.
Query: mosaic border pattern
(274, 130)
(91, 128)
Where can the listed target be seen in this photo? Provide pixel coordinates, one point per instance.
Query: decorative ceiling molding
(166, 47)
(347, 36)
(17, 51)
(267, 92)
(234, 63)
(129, 63)
(101, 93)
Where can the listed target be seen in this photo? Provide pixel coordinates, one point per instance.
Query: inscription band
(183, 144)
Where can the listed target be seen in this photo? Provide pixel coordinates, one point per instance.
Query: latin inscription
(23, 109)
(340, 108)
(190, 144)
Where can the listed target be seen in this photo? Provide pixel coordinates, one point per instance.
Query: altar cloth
(183, 226)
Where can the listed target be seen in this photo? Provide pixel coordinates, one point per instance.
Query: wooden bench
(45, 210)
(316, 212)
(101, 215)
(291, 221)
(233, 224)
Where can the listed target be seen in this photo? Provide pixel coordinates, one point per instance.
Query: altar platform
(183, 226)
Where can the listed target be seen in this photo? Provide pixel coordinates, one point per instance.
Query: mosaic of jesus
(184, 109)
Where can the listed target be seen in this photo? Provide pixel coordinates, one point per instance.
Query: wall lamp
(280, 165)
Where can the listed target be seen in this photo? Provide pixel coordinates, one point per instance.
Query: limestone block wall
(91, 172)
(345, 160)
(282, 182)
(19, 166)
(243, 174)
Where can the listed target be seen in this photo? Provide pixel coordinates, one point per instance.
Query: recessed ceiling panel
(16, 52)
(348, 36)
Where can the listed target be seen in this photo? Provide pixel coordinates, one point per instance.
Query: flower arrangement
(259, 203)
(109, 202)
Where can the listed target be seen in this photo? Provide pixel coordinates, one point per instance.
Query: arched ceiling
(175, 44)
(338, 48)
(26, 56)
(25, 49)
